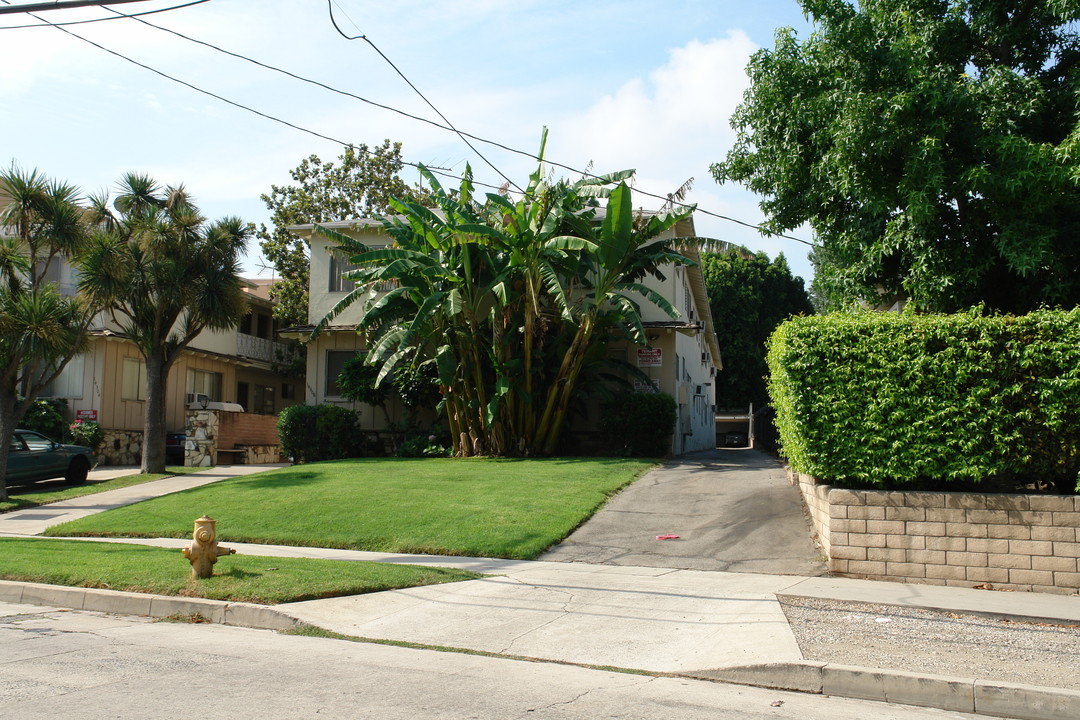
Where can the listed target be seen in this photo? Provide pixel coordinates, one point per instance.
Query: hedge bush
(310, 433)
(888, 400)
(639, 424)
(46, 417)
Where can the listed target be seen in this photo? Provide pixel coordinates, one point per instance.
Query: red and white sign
(650, 357)
(86, 415)
(642, 387)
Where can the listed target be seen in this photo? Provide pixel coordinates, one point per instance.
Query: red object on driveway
(667, 537)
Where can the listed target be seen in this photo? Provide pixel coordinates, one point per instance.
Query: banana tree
(508, 297)
(622, 252)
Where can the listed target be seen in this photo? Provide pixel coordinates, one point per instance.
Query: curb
(250, 615)
(969, 695)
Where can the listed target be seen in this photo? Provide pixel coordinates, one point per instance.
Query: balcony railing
(257, 348)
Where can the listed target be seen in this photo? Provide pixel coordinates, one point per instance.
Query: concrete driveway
(733, 511)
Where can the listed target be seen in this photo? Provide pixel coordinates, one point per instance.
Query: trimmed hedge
(887, 400)
(310, 433)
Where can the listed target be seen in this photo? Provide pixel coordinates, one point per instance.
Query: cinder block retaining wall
(1019, 542)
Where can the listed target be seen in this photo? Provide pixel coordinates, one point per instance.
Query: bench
(236, 456)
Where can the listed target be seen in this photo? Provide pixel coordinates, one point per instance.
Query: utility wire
(58, 5)
(118, 16)
(365, 38)
(583, 173)
(493, 143)
(236, 104)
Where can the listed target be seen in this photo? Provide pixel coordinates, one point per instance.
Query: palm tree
(40, 329)
(166, 275)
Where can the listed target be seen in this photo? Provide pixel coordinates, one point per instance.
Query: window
(335, 361)
(69, 383)
(338, 267)
(133, 383)
(205, 382)
(37, 442)
(264, 400)
(288, 392)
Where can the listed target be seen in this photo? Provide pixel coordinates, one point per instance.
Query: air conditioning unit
(196, 401)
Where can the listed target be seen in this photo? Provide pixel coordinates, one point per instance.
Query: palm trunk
(153, 449)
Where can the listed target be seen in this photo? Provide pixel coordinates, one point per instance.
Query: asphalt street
(77, 665)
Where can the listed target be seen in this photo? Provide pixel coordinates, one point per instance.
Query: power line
(434, 170)
(234, 103)
(58, 5)
(493, 143)
(583, 173)
(118, 16)
(365, 38)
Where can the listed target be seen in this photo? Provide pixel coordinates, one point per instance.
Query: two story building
(241, 367)
(682, 356)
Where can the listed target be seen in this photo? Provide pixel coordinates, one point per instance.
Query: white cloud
(679, 112)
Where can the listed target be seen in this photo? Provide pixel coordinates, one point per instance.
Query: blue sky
(620, 84)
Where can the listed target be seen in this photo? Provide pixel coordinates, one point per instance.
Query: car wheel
(77, 471)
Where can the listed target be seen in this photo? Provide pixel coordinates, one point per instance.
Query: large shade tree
(932, 145)
(166, 274)
(359, 185)
(749, 295)
(509, 299)
(41, 329)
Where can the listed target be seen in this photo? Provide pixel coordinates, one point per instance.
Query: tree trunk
(153, 449)
(7, 431)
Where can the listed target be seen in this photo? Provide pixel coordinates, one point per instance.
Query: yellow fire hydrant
(204, 552)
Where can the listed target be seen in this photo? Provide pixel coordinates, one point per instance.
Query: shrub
(909, 400)
(87, 433)
(639, 424)
(45, 417)
(310, 433)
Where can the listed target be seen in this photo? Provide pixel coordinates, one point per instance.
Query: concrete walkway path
(34, 521)
(733, 511)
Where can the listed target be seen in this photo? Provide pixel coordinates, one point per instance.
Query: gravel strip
(935, 642)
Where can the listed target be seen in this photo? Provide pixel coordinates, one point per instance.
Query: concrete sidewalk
(34, 521)
(698, 624)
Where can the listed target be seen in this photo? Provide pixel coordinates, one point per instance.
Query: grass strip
(238, 578)
(31, 495)
(477, 507)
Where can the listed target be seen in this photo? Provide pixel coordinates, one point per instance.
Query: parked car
(174, 448)
(32, 457)
(736, 439)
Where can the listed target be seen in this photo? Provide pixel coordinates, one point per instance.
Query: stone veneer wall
(200, 444)
(121, 447)
(209, 431)
(1019, 542)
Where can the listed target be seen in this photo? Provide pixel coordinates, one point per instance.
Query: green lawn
(239, 578)
(44, 492)
(474, 507)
